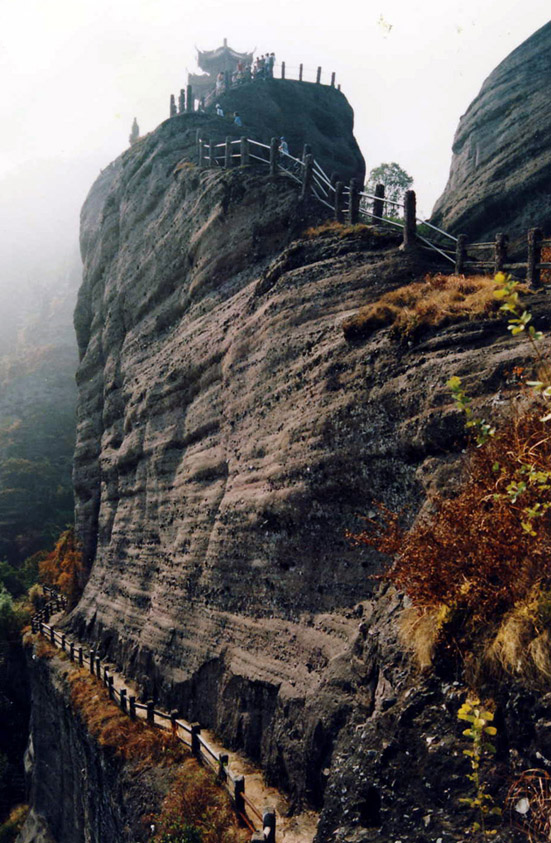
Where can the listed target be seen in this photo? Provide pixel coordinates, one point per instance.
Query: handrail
(199, 746)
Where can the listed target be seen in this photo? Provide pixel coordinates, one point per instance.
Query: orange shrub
(474, 554)
(63, 567)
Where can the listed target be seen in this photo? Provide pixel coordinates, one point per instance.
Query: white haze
(75, 73)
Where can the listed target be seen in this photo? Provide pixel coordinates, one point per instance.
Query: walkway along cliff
(228, 435)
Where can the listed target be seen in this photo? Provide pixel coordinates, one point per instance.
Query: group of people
(237, 121)
(264, 66)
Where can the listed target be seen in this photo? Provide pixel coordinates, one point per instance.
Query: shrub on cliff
(63, 568)
(478, 569)
(196, 810)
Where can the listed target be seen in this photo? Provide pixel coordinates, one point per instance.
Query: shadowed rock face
(500, 172)
(227, 438)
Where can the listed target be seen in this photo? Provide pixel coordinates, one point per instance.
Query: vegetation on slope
(436, 301)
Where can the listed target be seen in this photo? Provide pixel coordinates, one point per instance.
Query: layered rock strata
(228, 436)
(499, 177)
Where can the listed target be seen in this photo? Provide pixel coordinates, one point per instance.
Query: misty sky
(75, 72)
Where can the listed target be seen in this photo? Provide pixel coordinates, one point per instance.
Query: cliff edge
(499, 176)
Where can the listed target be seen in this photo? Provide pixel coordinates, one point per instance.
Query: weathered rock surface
(499, 178)
(303, 113)
(227, 438)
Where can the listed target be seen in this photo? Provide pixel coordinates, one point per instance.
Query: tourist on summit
(237, 119)
(270, 65)
(219, 82)
(283, 147)
(219, 110)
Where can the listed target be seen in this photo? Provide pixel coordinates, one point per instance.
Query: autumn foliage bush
(480, 564)
(63, 567)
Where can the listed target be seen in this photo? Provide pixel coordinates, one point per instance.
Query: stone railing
(262, 824)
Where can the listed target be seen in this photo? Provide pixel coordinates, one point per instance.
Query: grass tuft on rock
(436, 301)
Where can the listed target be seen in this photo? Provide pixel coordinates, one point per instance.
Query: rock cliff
(227, 437)
(499, 177)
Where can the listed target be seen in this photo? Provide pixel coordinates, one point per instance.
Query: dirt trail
(299, 828)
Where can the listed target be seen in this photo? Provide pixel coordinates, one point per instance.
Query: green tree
(395, 180)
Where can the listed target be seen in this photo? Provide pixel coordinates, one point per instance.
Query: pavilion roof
(223, 58)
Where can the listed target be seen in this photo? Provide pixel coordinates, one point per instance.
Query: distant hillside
(37, 406)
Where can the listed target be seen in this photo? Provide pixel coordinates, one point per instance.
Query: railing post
(318, 76)
(63, 639)
(410, 223)
(189, 99)
(238, 791)
(533, 271)
(123, 699)
(379, 202)
(269, 825)
(333, 80)
(173, 111)
(52, 636)
(300, 69)
(132, 707)
(354, 210)
(195, 743)
(98, 666)
(200, 153)
(212, 154)
(173, 717)
(307, 149)
(228, 159)
(339, 214)
(150, 712)
(223, 761)
(182, 101)
(283, 70)
(500, 252)
(307, 171)
(244, 152)
(460, 254)
(105, 675)
(111, 687)
(80, 657)
(274, 156)
(92, 660)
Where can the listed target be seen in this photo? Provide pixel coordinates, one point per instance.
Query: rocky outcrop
(499, 177)
(228, 436)
(303, 113)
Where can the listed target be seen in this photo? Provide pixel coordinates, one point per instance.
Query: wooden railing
(492, 256)
(347, 202)
(262, 824)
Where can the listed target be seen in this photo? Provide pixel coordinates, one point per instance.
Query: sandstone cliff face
(227, 438)
(499, 178)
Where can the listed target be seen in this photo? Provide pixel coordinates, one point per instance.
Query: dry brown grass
(436, 301)
(420, 632)
(330, 227)
(196, 800)
(131, 739)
